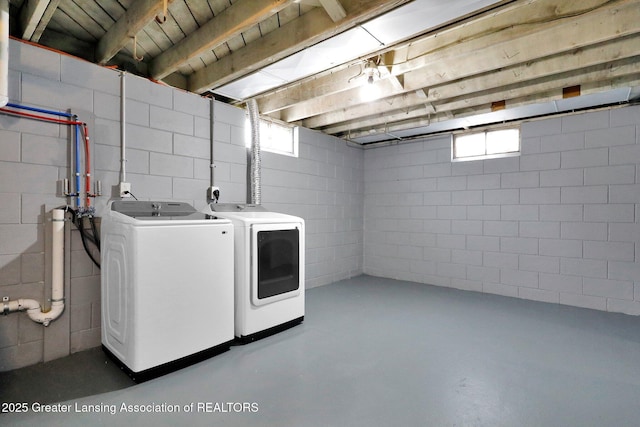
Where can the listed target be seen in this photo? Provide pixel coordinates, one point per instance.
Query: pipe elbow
(45, 318)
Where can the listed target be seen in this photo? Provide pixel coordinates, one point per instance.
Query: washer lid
(153, 210)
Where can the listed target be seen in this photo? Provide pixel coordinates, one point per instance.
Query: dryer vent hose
(254, 159)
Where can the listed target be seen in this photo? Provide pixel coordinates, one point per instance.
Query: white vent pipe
(4, 52)
(32, 307)
(254, 159)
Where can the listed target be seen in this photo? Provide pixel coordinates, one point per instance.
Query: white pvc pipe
(4, 52)
(32, 307)
(57, 258)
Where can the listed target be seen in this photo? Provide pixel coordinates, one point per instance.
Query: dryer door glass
(278, 262)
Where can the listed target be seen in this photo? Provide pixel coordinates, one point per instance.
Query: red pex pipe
(39, 117)
(87, 163)
(65, 122)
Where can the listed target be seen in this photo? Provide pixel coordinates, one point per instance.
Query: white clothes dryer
(167, 286)
(269, 269)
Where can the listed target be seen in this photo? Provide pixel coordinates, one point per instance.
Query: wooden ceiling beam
(549, 38)
(231, 22)
(631, 80)
(386, 67)
(139, 14)
(312, 27)
(516, 18)
(34, 18)
(338, 80)
(604, 76)
(364, 111)
(486, 54)
(342, 78)
(334, 9)
(524, 73)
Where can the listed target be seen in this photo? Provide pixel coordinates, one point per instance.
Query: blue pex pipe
(77, 137)
(40, 110)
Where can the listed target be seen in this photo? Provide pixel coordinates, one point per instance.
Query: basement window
(276, 138)
(487, 144)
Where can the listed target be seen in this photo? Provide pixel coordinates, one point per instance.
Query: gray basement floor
(378, 352)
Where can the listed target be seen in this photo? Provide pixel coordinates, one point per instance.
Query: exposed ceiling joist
(505, 48)
(337, 80)
(137, 16)
(428, 63)
(334, 9)
(34, 18)
(524, 73)
(489, 53)
(385, 68)
(310, 28)
(342, 78)
(473, 111)
(603, 75)
(234, 20)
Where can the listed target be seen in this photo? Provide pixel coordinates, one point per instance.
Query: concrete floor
(378, 352)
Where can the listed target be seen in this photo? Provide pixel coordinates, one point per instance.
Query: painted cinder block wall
(167, 136)
(560, 223)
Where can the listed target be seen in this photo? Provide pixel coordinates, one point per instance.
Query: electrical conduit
(213, 192)
(123, 134)
(32, 307)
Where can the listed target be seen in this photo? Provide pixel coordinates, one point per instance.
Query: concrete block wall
(560, 223)
(168, 142)
(324, 185)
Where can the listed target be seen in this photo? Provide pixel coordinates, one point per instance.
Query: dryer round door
(276, 253)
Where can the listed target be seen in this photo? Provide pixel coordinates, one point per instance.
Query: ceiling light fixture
(371, 71)
(370, 92)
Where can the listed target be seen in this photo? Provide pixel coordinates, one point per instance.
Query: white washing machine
(269, 269)
(167, 285)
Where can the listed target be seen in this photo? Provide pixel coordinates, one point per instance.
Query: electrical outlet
(124, 189)
(213, 194)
